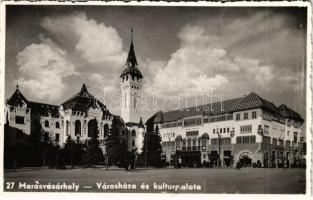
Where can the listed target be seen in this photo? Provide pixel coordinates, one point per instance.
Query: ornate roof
(17, 99)
(83, 100)
(248, 102)
(131, 62)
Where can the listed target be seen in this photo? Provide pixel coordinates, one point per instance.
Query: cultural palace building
(249, 129)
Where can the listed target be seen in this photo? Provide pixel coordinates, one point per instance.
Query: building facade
(248, 130)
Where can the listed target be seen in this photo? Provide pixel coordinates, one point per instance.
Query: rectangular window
(295, 137)
(245, 139)
(221, 130)
(19, 119)
(246, 129)
(274, 141)
(227, 130)
(214, 141)
(245, 115)
(253, 114)
(57, 137)
(213, 131)
(192, 133)
(226, 140)
(238, 116)
(224, 130)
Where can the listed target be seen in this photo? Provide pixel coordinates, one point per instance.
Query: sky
(188, 51)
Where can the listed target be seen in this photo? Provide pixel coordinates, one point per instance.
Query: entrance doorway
(227, 158)
(245, 159)
(191, 158)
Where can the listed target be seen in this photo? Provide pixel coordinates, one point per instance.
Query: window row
(192, 133)
(245, 139)
(216, 141)
(218, 118)
(192, 122)
(246, 115)
(170, 125)
(47, 124)
(221, 130)
(246, 129)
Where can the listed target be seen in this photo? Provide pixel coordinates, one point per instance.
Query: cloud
(95, 42)
(78, 50)
(43, 66)
(233, 58)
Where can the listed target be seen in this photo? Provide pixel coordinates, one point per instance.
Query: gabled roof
(155, 119)
(289, 113)
(253, 101)
(17, 99)
(248, 102)
(82, 101)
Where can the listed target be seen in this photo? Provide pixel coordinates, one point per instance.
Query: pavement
(184, 180)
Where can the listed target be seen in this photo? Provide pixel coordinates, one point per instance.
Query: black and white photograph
(139, 98)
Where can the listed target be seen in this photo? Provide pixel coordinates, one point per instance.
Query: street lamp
(260, 130)
(146, 138)
(232, 133)
(219, 148)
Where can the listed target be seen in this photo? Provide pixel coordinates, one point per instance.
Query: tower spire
(131, 58)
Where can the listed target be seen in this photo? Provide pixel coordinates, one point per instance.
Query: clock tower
(131, 85)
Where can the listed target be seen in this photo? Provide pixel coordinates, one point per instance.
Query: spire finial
(131, 32)
(17, 86)
(84, 88)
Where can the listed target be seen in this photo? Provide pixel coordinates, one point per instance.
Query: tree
(72, 152)
(68, 150)
(49, 150)
(116, 147)
(157, 148)
(93, 154)
(151, 150)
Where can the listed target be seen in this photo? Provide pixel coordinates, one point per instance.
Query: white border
(131, 196)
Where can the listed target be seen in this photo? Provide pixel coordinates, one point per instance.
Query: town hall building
(78, 116)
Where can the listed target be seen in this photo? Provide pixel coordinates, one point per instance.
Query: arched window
(179, 138)
(133, 133)
(46, 123)
(78, 127)
(57, 125)
(92, 127)
(205, 136)
(105, 130)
